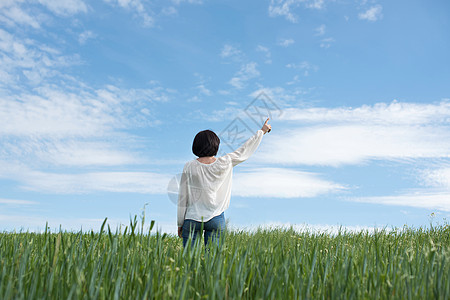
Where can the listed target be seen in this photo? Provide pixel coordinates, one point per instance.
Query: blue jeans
(214, 228)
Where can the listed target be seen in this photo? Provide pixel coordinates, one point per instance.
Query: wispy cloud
(283, 97)
(188, 1)
(284, 8)
(78, 128)
(30, 13)
(372, 14)
(65, 7)
(138, 9)
(379, 113)
(428, 200)
(266, 53)
(248, 71)
(86, 35)
(326, 42)
(316, 4)
(229, 51)
(286, 42)
(355, 144)
(85, 153)
(25, 58)
(439, 178)
(334, 137)
(227, 113)
(320, 30)
(305, 66)
(12, 14)
(283, 183)
(56, 112)
(16, 202)
(82, 183)
(204, 90)
(70, 125)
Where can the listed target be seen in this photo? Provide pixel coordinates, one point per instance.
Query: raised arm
(246, 150)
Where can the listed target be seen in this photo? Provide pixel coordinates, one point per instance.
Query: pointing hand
(266, 127)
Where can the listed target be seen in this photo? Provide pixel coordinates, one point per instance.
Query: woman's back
(205, 187)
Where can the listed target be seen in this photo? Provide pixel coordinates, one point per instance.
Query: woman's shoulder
(224, 158)
(188, 164)
(223, 161)
(220, 162)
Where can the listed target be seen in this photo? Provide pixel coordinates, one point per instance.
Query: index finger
(267, 121)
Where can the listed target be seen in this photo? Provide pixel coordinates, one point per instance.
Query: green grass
(266, 264)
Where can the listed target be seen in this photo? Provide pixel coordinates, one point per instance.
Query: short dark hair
(206, 143)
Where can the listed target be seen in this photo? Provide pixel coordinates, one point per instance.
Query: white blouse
(205, 189)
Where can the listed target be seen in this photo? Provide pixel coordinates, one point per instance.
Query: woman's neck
(207, 159)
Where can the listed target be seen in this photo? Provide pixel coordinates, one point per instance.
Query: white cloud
(305, 66)
(69, 123)
(355, 144)
(379, 113)
(227, 113)
(201, 88)
(286, 42)
(281, 96)
(266, 52)
(187, 1)
(86, 35)
(399, 131)
(62, 124)
(21, 12)
(372, 14)
(81, 112)
(12, 14)
(169, 11)
(281, 183)
(294, 80)
(65, 7)
(326, 42)
(26, 58)
(316, 4)
(16, 202)
(70, 152)
(436, 195)
(77, 153)
(229, 51)
(284, 7)
(81, 183)
(248, 71)
(204, 90)
(194, 99)
(81, 128)
(138, 9)
(427, 200)
(437, 178)
(320, 30)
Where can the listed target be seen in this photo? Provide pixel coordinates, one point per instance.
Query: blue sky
(100, 101)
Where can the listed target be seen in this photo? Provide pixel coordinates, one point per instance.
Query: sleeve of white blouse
(246, 150)
(182, 199)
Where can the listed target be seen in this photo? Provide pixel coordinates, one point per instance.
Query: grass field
(266, 264)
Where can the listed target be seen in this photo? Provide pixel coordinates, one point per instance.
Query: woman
(205, 187)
